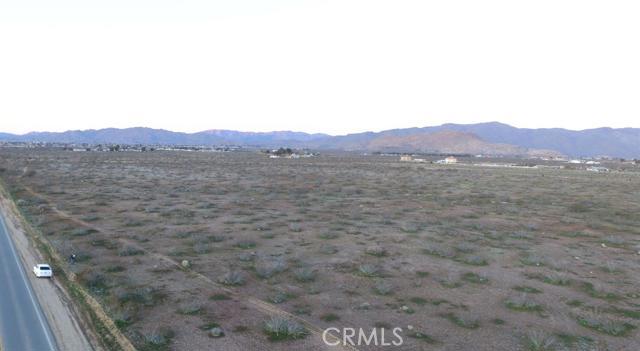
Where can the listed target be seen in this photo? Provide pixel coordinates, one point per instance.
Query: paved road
(23, 326)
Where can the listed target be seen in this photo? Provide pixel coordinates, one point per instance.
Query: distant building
(450, 160)
(406, 158)
(598, 169)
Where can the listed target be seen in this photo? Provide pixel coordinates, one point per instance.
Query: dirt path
(252, 302)
(55, 304)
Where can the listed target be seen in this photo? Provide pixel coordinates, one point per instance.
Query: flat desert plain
(237, 251)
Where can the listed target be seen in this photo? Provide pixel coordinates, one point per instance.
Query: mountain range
(492, 138)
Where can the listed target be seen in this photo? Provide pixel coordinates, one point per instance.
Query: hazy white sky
(334, 66)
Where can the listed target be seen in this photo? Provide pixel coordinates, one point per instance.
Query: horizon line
(305, 132)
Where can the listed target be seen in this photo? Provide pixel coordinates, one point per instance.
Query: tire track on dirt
(124, 343)
(257, 304)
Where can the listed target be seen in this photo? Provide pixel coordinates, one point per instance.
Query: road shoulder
(55, 303)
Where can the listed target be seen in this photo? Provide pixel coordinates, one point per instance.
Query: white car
(42, 271)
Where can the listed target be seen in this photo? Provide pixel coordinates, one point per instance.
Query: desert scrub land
(235, 251)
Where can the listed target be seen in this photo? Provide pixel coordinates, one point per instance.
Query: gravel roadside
(55, 304)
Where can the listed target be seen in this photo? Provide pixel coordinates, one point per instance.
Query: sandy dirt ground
(55, 303)
(470, 258)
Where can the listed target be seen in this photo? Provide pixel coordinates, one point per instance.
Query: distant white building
(450, 160)
(406, 158)
(598, 169)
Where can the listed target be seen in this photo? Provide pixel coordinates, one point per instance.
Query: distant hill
(137, 135)
(623, 142)
(7, 136)
(448, 142)
(259, 138)
(492, 137)
(140, 135)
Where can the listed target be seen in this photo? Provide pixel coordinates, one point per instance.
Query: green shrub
(219, 297)
(605, 325)
(233, 277)
(539, 341)
(590, 289)
(421, 336)
(83, 231)
(527, 289)
(267, 268)
(191, 309)
(523, 303)
(246, 244)
(305, 274)
(130, 251)
(382, 287)
(330, 317)
(328, 249)
(464, 322)
(146, 296)
(376, 250)
(418, 300)
(280, 297)
(475, 278)
(369, 270)
(439, 251)
(533, 259)
(328, 235)
(157, 340)
(278, 328)
(474, 260)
